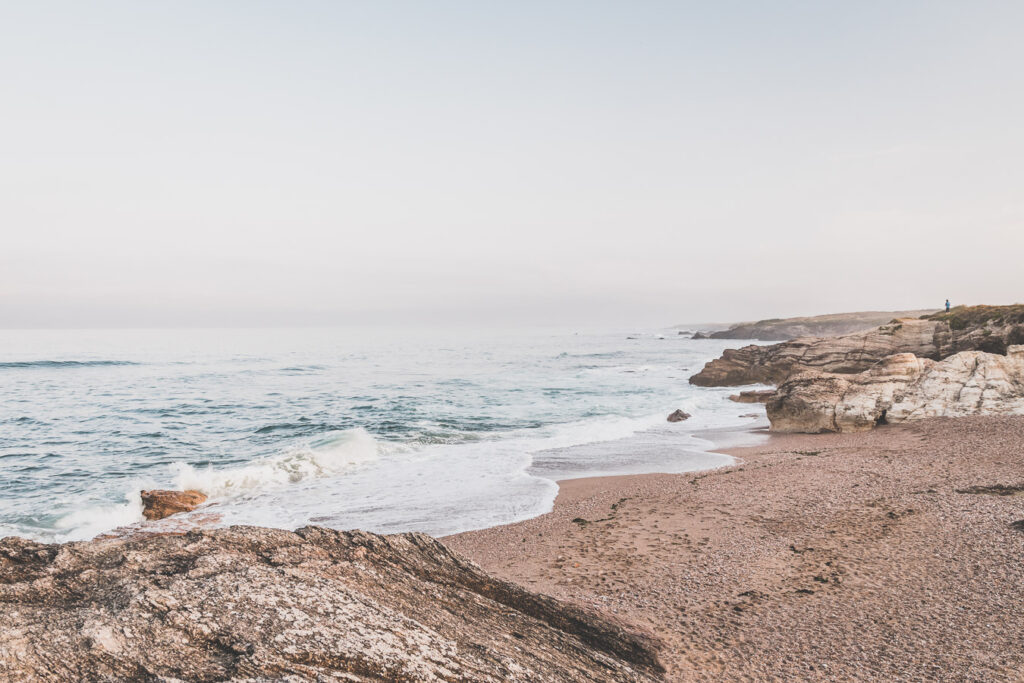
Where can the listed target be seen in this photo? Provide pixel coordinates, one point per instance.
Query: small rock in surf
(157, 504)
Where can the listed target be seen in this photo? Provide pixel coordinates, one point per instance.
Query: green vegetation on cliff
(964, 317)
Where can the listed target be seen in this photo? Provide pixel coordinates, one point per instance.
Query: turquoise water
(380, 429)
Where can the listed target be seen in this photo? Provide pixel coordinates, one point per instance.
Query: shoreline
(871, 555)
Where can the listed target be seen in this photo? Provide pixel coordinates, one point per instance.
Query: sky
(249, 163)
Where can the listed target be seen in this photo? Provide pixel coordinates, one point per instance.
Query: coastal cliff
(845, 354)
(254, 603)
(991, 329)
(967, 361)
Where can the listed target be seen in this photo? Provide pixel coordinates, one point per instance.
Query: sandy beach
(886, 555)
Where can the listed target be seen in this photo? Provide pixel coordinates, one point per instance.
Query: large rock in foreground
(314, 604)
(900, 388)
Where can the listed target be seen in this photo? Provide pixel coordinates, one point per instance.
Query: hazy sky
(249, 162)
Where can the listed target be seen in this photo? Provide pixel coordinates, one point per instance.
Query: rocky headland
(248, 603)
(906, 369)
(982, 328)
(772, 364)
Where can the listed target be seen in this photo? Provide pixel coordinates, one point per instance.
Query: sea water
(382, 429)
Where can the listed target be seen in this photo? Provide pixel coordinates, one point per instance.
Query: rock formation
(975, 328)
(832, 325)
(679, 416)
(831, 402)
(314, 604)
(846, 354)
(901, 387)
(157, 504)
(982, 328)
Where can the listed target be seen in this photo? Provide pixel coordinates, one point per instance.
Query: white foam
(326, 456)
(88, 522)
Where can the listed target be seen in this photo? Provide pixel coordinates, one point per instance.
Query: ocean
(381, 429)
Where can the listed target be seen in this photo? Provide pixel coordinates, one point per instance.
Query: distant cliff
(781, 329)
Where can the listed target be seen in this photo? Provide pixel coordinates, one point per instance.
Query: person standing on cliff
(947, 305)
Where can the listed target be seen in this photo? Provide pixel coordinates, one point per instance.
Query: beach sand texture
(887, 555)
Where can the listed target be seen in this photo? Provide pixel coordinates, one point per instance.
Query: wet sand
(869, 556)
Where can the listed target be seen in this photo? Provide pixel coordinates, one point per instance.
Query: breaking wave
(87, 522)
(323, 457)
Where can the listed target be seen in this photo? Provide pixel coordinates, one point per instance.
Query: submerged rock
(757, 396)
(900, 388)
(157, 503)
(315, 604)
(679, 416)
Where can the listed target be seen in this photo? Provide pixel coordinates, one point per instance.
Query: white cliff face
(899, 388)
(968, 383)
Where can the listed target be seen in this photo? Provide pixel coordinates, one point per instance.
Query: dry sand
(818, 557)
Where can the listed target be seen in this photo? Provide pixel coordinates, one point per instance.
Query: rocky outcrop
(832, 402)
(900, 388)
(846, 354)
(756, 396)
(157, 503)
(314, 604)
(979, 328)
(833, 325)
(976, 328)
(678, 416)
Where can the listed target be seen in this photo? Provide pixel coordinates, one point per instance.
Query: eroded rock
(900, 388)
(679, 416)
(314, 604)
(158, 503)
